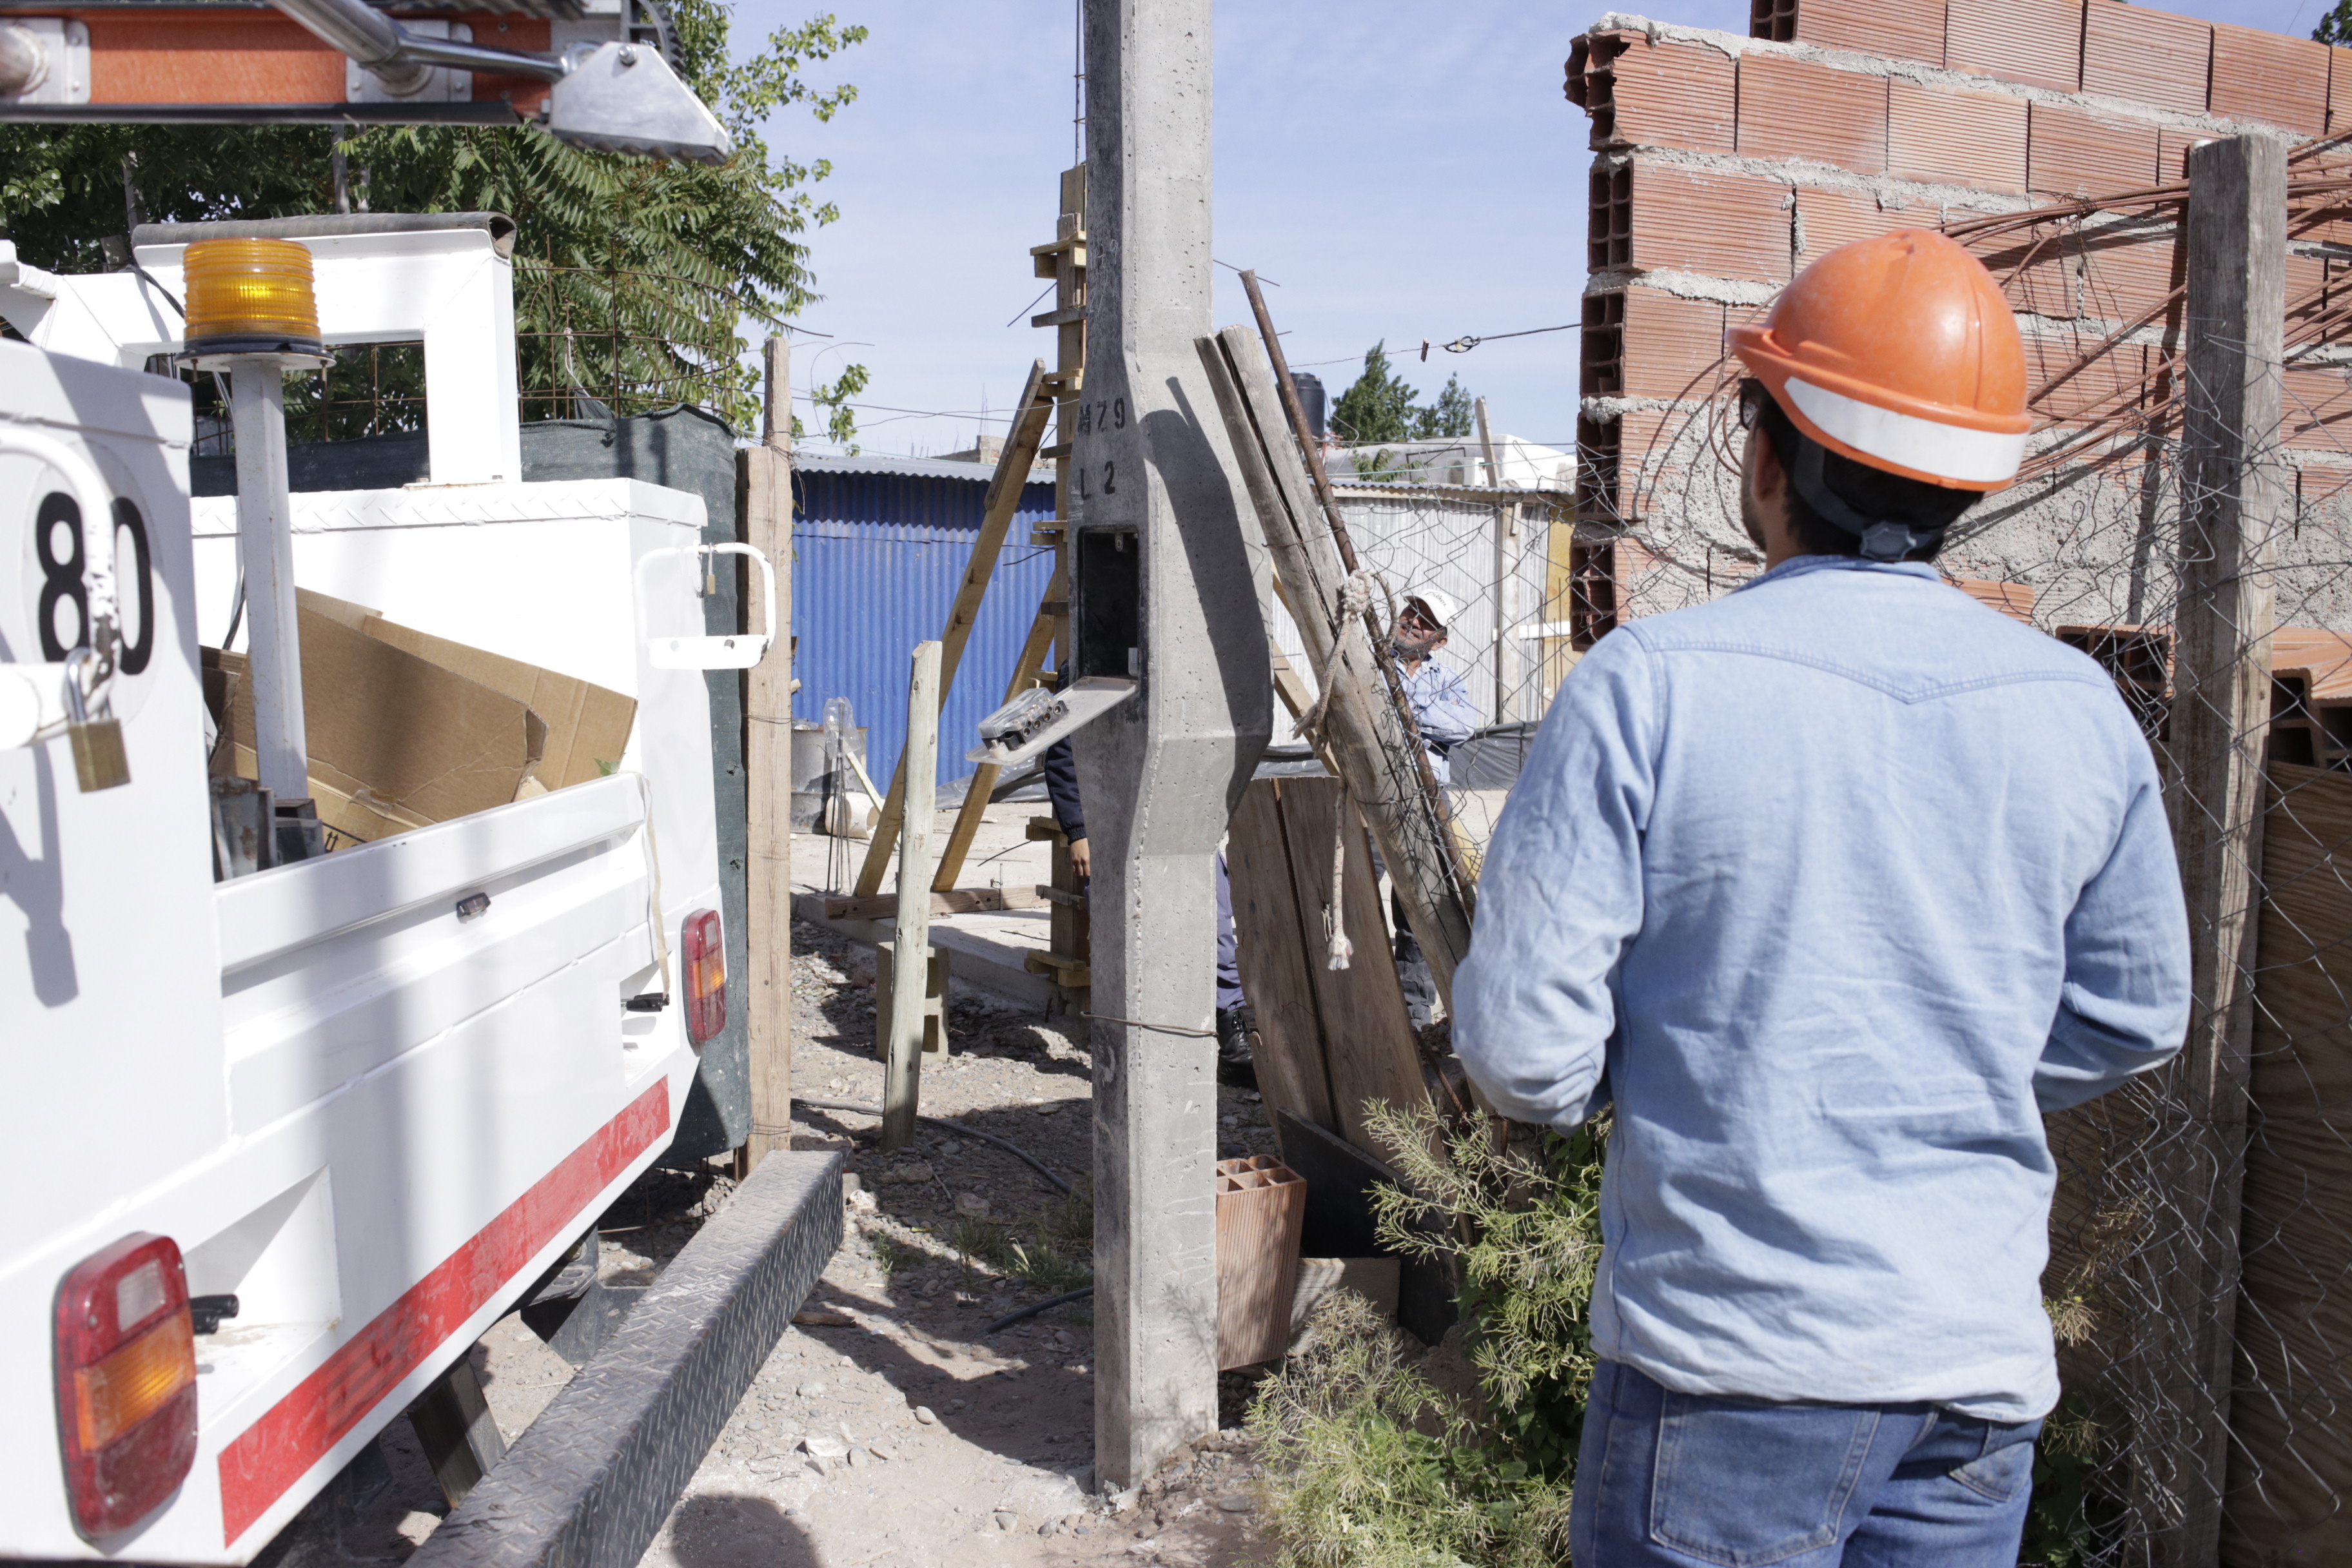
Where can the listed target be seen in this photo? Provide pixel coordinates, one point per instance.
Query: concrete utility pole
(1166, 590)
(2234, 504)
(764, 491)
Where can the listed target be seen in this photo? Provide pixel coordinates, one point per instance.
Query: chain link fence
(2201, 1273)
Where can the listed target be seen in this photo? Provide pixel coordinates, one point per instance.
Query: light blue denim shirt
(1845, 879)
(1442, 707)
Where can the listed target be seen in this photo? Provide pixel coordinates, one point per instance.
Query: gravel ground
(887, 1428)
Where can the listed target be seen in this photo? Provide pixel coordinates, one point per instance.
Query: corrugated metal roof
(909, 467)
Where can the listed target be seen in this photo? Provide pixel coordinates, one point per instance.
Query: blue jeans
(1685, 1480)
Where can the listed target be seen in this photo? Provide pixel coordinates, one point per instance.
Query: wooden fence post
(2232, 506)
(919, 770)
(766, 488)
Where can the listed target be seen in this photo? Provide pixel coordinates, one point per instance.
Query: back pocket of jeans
(1747, 1484)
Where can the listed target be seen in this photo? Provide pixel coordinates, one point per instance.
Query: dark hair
(1874, 493)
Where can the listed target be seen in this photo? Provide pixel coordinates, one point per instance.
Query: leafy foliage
(2336, 27)
(632, 276)
(1365, 1461)
(1379, 405)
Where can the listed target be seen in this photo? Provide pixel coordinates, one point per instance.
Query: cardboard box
(405, 729)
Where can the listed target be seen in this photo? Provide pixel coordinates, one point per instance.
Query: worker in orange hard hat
(1827, 890)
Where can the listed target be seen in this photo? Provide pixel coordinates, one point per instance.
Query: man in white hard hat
(1442, 707)
(1829, 889)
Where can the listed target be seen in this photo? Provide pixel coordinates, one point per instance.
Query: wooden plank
(1272, 950)
(1012, 467)
(764, 486)
(1026, 671)
(902, 1068)
(954, 901)
(2234, 506)
(1369, 1049)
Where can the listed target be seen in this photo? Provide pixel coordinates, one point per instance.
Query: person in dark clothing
(1233, 1023)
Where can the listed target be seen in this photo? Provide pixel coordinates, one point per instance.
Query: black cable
(169, 298)
(1047, 1305)
(1013, 1148)
(1464, 345)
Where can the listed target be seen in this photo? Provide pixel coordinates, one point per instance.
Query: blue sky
(1404, 171)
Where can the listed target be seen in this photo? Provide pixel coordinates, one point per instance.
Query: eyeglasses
(1751, 402)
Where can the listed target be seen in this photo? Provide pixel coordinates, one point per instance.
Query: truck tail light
(706, 976)
(126, 1369)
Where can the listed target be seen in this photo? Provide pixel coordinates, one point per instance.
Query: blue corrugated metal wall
(877, 561)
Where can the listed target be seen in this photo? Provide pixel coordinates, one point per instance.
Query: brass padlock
(100, 761)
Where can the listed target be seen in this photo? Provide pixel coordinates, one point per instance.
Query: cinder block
(2339, 92)
(2070, 152)
(2036, 42)
(1724, 226)
(1791, 108)
(1827, 219)
(1672, 347)
(1955, 136)
(2148, 57)
(2271, 77)
(1650, 93)
(2315, 409)
(1898, 29)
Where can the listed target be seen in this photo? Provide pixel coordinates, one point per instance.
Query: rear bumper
(589, 1485)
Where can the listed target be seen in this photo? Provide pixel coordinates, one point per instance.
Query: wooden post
(1506, 517)
(764, 483)
(2234, 504)
(918, 774)
(1021, 443)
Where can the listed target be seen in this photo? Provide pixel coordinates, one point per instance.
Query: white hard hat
(1434, 606)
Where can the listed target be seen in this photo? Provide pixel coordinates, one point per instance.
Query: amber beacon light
(251, 296)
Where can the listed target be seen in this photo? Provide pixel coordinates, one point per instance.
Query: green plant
(2064, 1523)
(978, 1241)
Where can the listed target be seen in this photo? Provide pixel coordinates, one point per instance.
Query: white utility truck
(373, 1095)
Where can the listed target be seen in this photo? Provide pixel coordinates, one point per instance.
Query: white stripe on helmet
(1923, 446)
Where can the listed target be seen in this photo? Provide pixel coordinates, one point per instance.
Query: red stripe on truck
(275, 1452)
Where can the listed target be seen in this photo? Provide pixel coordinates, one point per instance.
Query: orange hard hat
(1901, 353)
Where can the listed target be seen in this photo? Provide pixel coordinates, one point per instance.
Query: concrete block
(2071, 152)
(2271, 77)
(1791, 108)
(2148, 57)
(1719, 225)
(2036, 42)
(1953, 135)
(1898, 29)
(1653, 94)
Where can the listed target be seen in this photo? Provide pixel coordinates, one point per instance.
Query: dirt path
(890, 1429)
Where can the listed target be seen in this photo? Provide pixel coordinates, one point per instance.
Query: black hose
(1013, 1148)
(1010, 1319)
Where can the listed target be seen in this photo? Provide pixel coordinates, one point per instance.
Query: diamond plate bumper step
(591, 1481)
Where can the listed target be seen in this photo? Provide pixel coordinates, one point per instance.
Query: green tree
(1379, 406)
(634, 279)
(1453, 415)
(2336, 27)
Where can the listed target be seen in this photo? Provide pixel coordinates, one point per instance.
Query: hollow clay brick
(1800, 109)
(2014, 600)
(2319, 492)
(2172, 145)
(1654, 93)
(1672, 347)
(2339, 90)
(1951, 135)
(2070, 152)
(2271, 77)
(2095, 388)
(2148, 57)
(2315, 410)
(2040, 279)
(2128, 274)
(1827, 219)
(1724, 226)
(1898, 29)
(2037, 42)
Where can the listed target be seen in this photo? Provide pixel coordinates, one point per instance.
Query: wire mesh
(2199, 1281)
